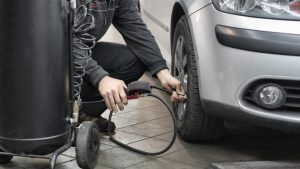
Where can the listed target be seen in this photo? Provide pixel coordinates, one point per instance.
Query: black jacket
(127, 20)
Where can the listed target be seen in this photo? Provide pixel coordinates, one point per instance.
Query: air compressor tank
(34, 76)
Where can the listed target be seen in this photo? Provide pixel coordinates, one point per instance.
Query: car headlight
(275, 9)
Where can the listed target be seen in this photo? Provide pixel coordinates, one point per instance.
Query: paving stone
(73, 165)
(122, 122)
(147, 129)
(126, 110)
(167, 136)
(165, 121)
(106, 141)
(70, 152)
(184, 156)
(162, 164)
(104, 147)
(143, 115)
(143, 102)
(155, 145)
(120, 158)
(201, 155)
(128, 138)
(157, 108)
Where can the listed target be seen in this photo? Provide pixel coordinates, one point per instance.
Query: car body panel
(191, 6)
(159, 22)
(228, 68)
(225, 72)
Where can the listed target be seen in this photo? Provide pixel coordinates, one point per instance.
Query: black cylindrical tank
(34, 75)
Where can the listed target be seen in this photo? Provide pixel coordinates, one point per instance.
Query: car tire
(192, 121)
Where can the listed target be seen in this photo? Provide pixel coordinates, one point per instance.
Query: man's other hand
(113, 92)
(169, 82)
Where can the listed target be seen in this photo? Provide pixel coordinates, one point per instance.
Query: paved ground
(145, 124)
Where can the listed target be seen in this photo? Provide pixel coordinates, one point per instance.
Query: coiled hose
(83, 42)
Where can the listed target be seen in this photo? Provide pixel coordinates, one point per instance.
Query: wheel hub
(94, 142)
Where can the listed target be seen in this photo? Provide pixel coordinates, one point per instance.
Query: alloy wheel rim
(181, 73)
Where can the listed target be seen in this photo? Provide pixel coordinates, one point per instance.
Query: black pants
(120, 63)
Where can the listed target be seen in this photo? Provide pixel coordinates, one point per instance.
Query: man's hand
(169, 82)
(112, 90)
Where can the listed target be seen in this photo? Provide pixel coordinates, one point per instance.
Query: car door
(157, 16)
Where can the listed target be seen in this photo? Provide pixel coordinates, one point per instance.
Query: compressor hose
(170, 110)
(83, 42)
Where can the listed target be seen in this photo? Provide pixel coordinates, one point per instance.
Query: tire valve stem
(75, 117)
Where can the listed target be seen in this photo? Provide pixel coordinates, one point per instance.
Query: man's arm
(112, 90)
(94, 72)
(139, 40)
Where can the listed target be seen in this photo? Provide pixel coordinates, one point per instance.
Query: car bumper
(259, 41)
(234, 51)
(235, 113)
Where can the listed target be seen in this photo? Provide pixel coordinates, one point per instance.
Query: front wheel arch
(177, 12)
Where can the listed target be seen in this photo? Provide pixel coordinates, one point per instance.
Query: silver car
(239, 60)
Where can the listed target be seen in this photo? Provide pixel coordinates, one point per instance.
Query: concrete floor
(146, 124)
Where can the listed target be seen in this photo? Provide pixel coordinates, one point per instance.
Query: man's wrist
(97, 75)
(104, 77)
(163, 73)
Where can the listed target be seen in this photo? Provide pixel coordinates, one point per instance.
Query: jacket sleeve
(138, 38)
(94, 72)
